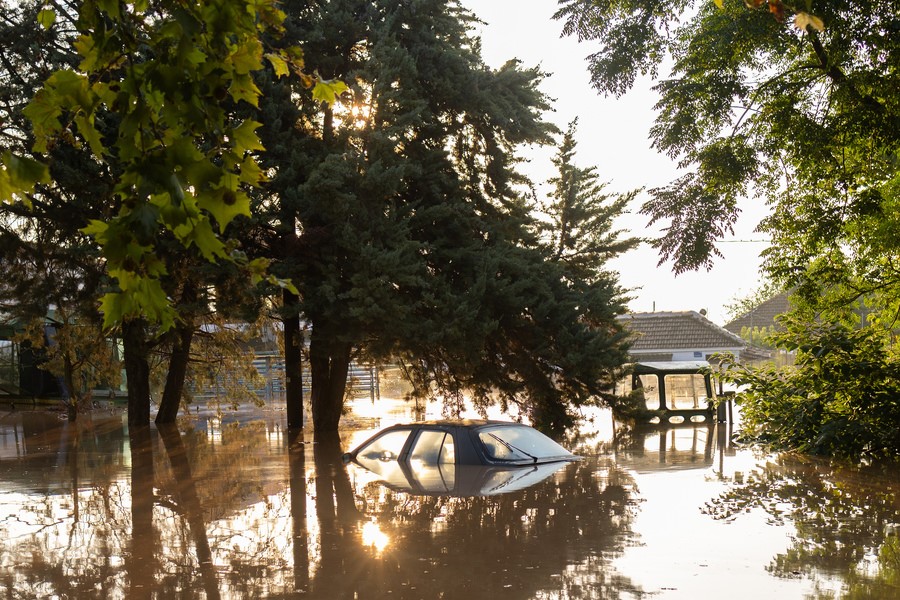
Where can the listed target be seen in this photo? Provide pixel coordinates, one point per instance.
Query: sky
(613, 136)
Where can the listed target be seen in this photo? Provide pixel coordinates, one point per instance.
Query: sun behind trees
(383, 195)
(404, 221)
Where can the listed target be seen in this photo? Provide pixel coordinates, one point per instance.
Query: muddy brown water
(237, 507)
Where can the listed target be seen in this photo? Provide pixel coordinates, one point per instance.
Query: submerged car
(460, 458)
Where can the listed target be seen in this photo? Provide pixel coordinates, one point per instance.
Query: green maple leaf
(247, 57)
(327, 90)
(46, 17)
(43, 111)
(19, 175)
(200, 234)
(251, 173)
(72, 90)
(113, 306)
(139, 297)
(226, 202)
(279, 65)
(25, 172)
(87, 130)
(243, 88)
(245, 138)
(96, 229)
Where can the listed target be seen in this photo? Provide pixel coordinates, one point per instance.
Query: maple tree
(153, 99)
(168, 74)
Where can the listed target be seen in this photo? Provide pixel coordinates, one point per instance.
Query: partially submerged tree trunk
(179, 359)
(293, 367)
(178, 364)
(137, 370)
(329, 363)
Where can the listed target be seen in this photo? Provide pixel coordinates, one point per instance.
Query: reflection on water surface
(91, 510)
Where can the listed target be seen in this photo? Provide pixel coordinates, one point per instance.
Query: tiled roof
(762, 316)
(673, 331)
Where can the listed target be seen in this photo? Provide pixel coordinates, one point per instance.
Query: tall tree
(582, 216)
(150, 100)
(415, 239)
(275, 228)
(798, 106)
(51, 269)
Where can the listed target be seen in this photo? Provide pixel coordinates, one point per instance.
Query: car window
(432, 462)
(448, 451)
(519, 443)
(434, 447)
(385, 447)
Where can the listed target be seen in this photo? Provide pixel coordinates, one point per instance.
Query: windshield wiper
(512, 448)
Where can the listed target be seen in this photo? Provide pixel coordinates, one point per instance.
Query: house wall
(680, 355)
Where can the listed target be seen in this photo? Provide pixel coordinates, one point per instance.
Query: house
(21, 375)
(683, 336)
(761, 317)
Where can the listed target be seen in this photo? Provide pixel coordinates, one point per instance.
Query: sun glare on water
(374, 537)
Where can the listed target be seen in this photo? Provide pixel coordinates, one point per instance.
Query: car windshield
(520, 443)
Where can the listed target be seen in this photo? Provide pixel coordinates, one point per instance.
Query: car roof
(473, 423)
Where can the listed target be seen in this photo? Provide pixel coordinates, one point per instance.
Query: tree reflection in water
(56, 492)
(298, 491)
(91, 510)
(187, 504)
(144, 544)
(847, 522)
(239, 512)
(554, 539)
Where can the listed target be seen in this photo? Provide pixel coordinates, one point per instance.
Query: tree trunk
(178, 364)
(137, 371)
(293, 366)
(178, 360)
(329, 363)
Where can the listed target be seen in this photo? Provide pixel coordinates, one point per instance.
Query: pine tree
(414, 240)
(581, 215)
(50, 269)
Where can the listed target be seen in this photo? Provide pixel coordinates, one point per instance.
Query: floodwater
(240, 508)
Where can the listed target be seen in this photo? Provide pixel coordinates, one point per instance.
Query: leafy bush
(841, 397)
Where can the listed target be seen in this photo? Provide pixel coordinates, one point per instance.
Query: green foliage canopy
(415, 237)
(842, 397)
(798, 106)
(45, 259)
(153, 98)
